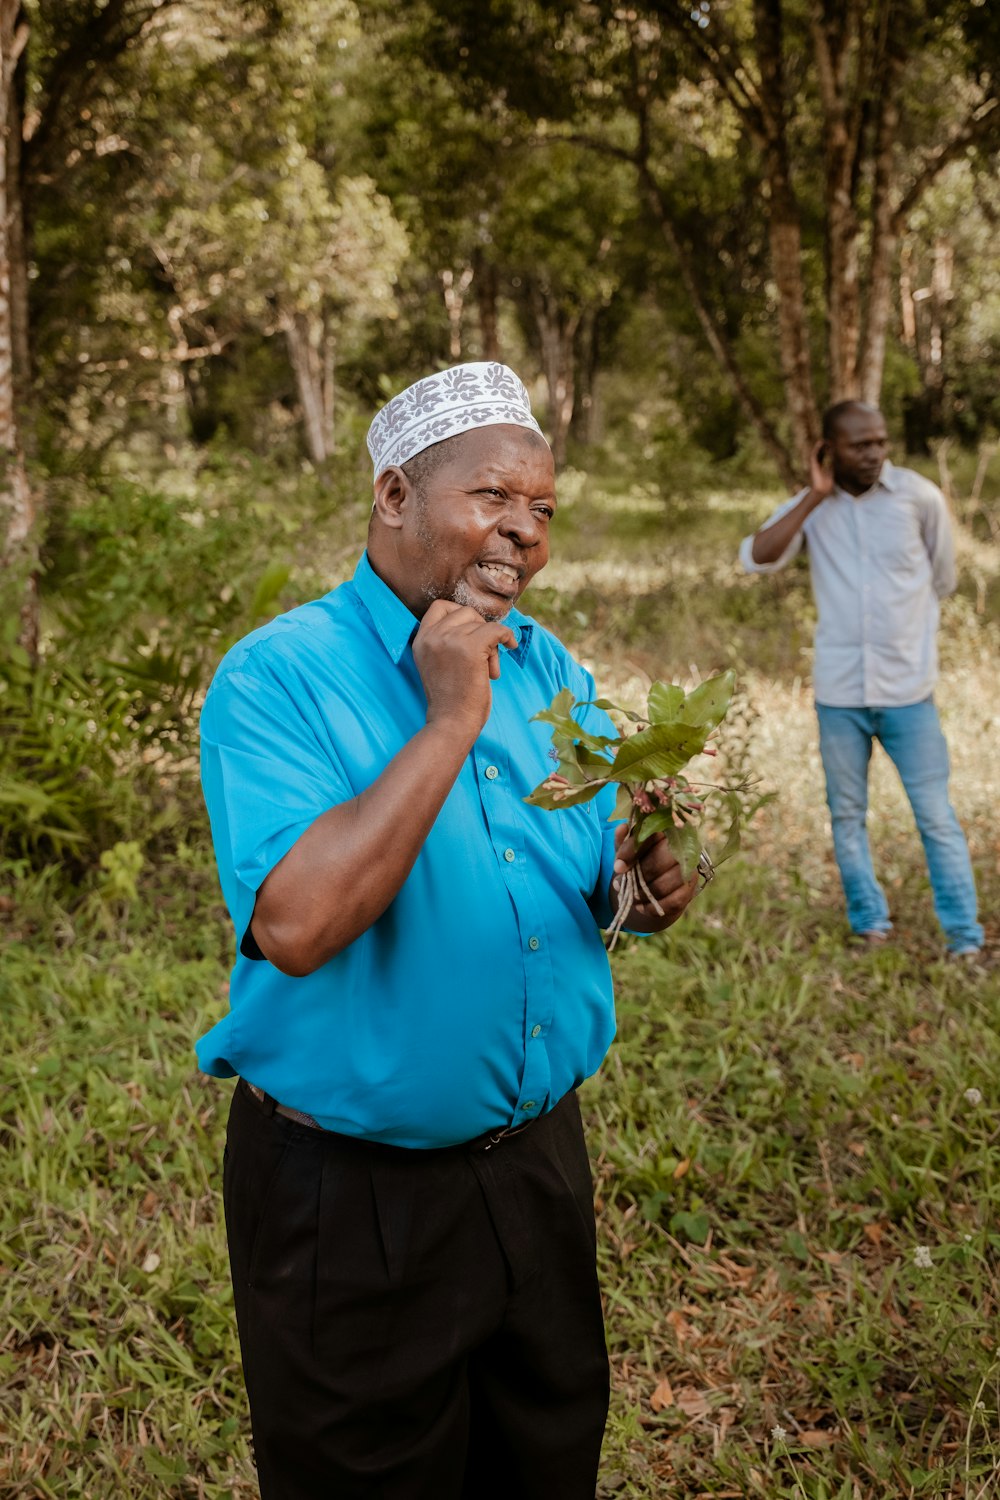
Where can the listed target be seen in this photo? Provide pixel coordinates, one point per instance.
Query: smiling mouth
(501, 578)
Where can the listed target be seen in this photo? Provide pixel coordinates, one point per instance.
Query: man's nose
(521, 524)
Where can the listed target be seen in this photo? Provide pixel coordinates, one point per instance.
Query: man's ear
(393, 490)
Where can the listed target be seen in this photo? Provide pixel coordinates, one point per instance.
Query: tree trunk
(19, 548)
(836, 34)
(556, 332)
(937, 304)
(785, 232)
(752, 408)
(304, 335)
(455, 288)
(585, 424)
(329, 383)
(486, 283)
(907, 306)
(786, 263)
(884, 233)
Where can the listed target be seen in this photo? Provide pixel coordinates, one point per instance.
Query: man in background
(420, 986)
(881, 556)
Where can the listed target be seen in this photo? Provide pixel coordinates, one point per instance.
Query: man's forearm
(343, 872)
(771, 541)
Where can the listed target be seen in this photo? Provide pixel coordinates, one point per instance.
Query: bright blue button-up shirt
(483, 993)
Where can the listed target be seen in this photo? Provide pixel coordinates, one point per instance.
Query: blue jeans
(913, 741)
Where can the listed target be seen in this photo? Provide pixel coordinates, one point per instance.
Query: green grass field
(796, 1144)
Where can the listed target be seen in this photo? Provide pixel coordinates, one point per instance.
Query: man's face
(858, 448)
(479, 531)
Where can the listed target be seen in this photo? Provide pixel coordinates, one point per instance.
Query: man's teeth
(502, 570)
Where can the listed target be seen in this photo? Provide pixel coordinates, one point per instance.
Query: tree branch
(975, 128)
(741, 94)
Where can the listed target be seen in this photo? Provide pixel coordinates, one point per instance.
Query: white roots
(632, 889)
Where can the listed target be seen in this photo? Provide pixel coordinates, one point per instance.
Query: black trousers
(417, 1324)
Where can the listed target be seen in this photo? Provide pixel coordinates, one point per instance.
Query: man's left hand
(662, 875)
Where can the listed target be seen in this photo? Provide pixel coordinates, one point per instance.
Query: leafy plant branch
(648, 761)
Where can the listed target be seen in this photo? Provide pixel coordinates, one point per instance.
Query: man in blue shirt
(880, 559)
(420, 986)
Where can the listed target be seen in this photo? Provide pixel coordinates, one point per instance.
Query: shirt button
(536, 1031)
(528, 1104)
(492, 773)
(533, 944)
(509, 855)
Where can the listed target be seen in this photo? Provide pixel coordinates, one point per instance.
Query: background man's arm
(345, 869)
(940, 543)
(772, 541)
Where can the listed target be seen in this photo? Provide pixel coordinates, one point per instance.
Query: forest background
(228, 232)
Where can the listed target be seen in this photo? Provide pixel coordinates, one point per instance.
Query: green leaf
(566, 729)
(623, 805)
(708, 703)
(797, 1246)
(732, 843)
(686, 844)
(571, 797)
(580, 765)
(660, 750)
(162, 1465)
(666, 700)
(693, 1227)
(616, 708)
(654, 822)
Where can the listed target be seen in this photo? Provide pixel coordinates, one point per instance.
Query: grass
(781, 1125)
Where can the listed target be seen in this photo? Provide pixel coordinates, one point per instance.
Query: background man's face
(479, 532)
(858, 447)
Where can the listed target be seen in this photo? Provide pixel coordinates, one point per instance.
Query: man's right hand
(772, 541)
(329, 889)
(457, 653)
(821, 480)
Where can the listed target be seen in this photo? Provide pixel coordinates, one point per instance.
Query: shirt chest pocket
(581, 835)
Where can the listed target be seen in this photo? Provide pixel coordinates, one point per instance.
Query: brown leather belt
(484, 1142)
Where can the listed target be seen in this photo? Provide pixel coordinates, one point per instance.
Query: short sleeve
(266, 778)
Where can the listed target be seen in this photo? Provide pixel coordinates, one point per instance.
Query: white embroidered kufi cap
(481, 394)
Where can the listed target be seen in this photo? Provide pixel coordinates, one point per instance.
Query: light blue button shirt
(483, 993)
(879, 563)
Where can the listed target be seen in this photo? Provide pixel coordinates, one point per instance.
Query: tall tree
(56, 61)
(836, 117)
(18, 610)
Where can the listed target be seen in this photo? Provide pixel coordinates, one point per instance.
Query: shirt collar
(887, 480)
(397, 625)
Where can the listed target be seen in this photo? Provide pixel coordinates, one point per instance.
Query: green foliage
(63, 793)
(146, 589)
(647, 762)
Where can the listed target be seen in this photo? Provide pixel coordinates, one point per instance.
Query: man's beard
(462, 594)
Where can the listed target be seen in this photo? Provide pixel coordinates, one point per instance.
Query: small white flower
(967, 1237)
(973, 1096)
(779, 1434)
(922, 1258)
(980, 1406)
(151, 1263)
